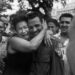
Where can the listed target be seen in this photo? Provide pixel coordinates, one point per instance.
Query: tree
(63, 2)
(37, 4)
(34, 4)
(4, 5)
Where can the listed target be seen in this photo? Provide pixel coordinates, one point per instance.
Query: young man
(42, 60)
(65, 24)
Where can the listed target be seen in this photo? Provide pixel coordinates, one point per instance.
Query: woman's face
(22, 29)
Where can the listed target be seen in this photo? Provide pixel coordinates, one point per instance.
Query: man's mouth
(64, 28)
(36, 33)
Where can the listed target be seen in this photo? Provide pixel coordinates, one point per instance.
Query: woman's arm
(24, 45)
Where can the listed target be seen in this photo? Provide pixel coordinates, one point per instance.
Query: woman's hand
(44, 24)
(48, 37)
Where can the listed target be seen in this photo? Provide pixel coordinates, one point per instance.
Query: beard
(64, 31)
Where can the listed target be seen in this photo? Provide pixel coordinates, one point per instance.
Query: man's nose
(23, 30)
(65, 24)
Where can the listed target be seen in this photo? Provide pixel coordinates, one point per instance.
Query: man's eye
(67, 22)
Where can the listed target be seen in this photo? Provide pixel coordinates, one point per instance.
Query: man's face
(2, 28)
(52, 27)
(22, 29)
(35, 26)
(65, 24)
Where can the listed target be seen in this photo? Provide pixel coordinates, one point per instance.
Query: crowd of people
(34, 44)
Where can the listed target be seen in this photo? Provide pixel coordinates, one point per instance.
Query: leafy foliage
(4, 5)
(45, 4)
(35, 4)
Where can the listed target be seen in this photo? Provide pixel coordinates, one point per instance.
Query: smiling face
(35, 25)
(65, 24)
(22, 29)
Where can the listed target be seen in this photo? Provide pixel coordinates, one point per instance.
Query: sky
(70, 1)
(58, 5)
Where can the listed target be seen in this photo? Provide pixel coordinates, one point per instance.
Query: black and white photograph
(37, 37)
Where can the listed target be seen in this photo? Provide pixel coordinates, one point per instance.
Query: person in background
(63, 38)
(7, 24)
(3, 43)
(53, 26)
(71, 48)
(65, 24)
(65, 20)
(3, 37)
(20, 47)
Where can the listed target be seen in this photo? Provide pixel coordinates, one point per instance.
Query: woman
(20, 48)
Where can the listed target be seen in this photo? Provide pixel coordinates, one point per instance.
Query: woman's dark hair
(18, 18)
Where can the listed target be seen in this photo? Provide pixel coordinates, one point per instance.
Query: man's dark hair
(66, 15)
(34, 14)
(54, 21)
(18, 18)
